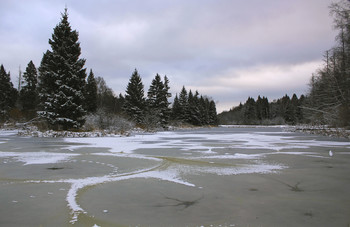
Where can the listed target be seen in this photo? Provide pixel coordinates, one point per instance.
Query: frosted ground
(204, 177)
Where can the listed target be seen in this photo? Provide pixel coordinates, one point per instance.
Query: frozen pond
(204, 177)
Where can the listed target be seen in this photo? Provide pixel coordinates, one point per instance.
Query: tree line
(284, 110)
(60, 92)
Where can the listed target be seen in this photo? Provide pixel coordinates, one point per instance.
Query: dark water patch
(55, 168)
(309, 214)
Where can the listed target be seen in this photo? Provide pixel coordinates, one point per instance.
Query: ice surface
(30, 158)
(186, 154)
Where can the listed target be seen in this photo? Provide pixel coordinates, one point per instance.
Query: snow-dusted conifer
(29, 94)
(91, 93)
(204, 110)
(183, 104)
(8, 94)
(176, 110)
(213, 119)
(62, 79)
(157, 101)
(134, 104)
(193, 106)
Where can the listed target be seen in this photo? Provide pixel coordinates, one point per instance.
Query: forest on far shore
(285, 110)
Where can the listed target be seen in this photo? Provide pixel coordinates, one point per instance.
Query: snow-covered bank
(323, 130)
(253, 126)
(66, 134)
(35, 132)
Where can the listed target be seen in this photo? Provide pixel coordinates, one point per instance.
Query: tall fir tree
(213, 119)
(105, 96)
(176, 109)
(183, 104)
(29, 94)
(167, 94)
(8, 94)
(157, 101)
(250, 111)
(155, 93)
(286, 109)
(91, 93)
(62, 79)
(193, 109)
(262, 108)
(204, 102)
(134, 104)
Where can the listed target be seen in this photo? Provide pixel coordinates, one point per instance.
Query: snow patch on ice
(31, 158)
(236, 156)
(198, 142)
(258, 168)
(8, 132)
(77, 184)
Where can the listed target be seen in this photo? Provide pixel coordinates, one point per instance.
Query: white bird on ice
(330, 153)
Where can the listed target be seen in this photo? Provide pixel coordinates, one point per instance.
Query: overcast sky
(225, 49)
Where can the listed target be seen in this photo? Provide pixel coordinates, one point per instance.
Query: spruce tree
(134, 104)
(167, 94)
(8, 94)
(155, 93)
(203, 113)
(183, 104)
(106, 101)
(250, 111)
(62, 79)
(259, 108)
(205, 104)
(157, 101)
(213, 119)
(287, 109)
(176, 110)
(266, 108)
(29, 93)
(91, 93)
(262, 108)
(299, 114)
(193, 109)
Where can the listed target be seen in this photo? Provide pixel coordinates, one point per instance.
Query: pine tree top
(64, 41)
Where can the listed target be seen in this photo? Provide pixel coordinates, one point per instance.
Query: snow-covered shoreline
(69, 134)
(323, 130)
(33, 131)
